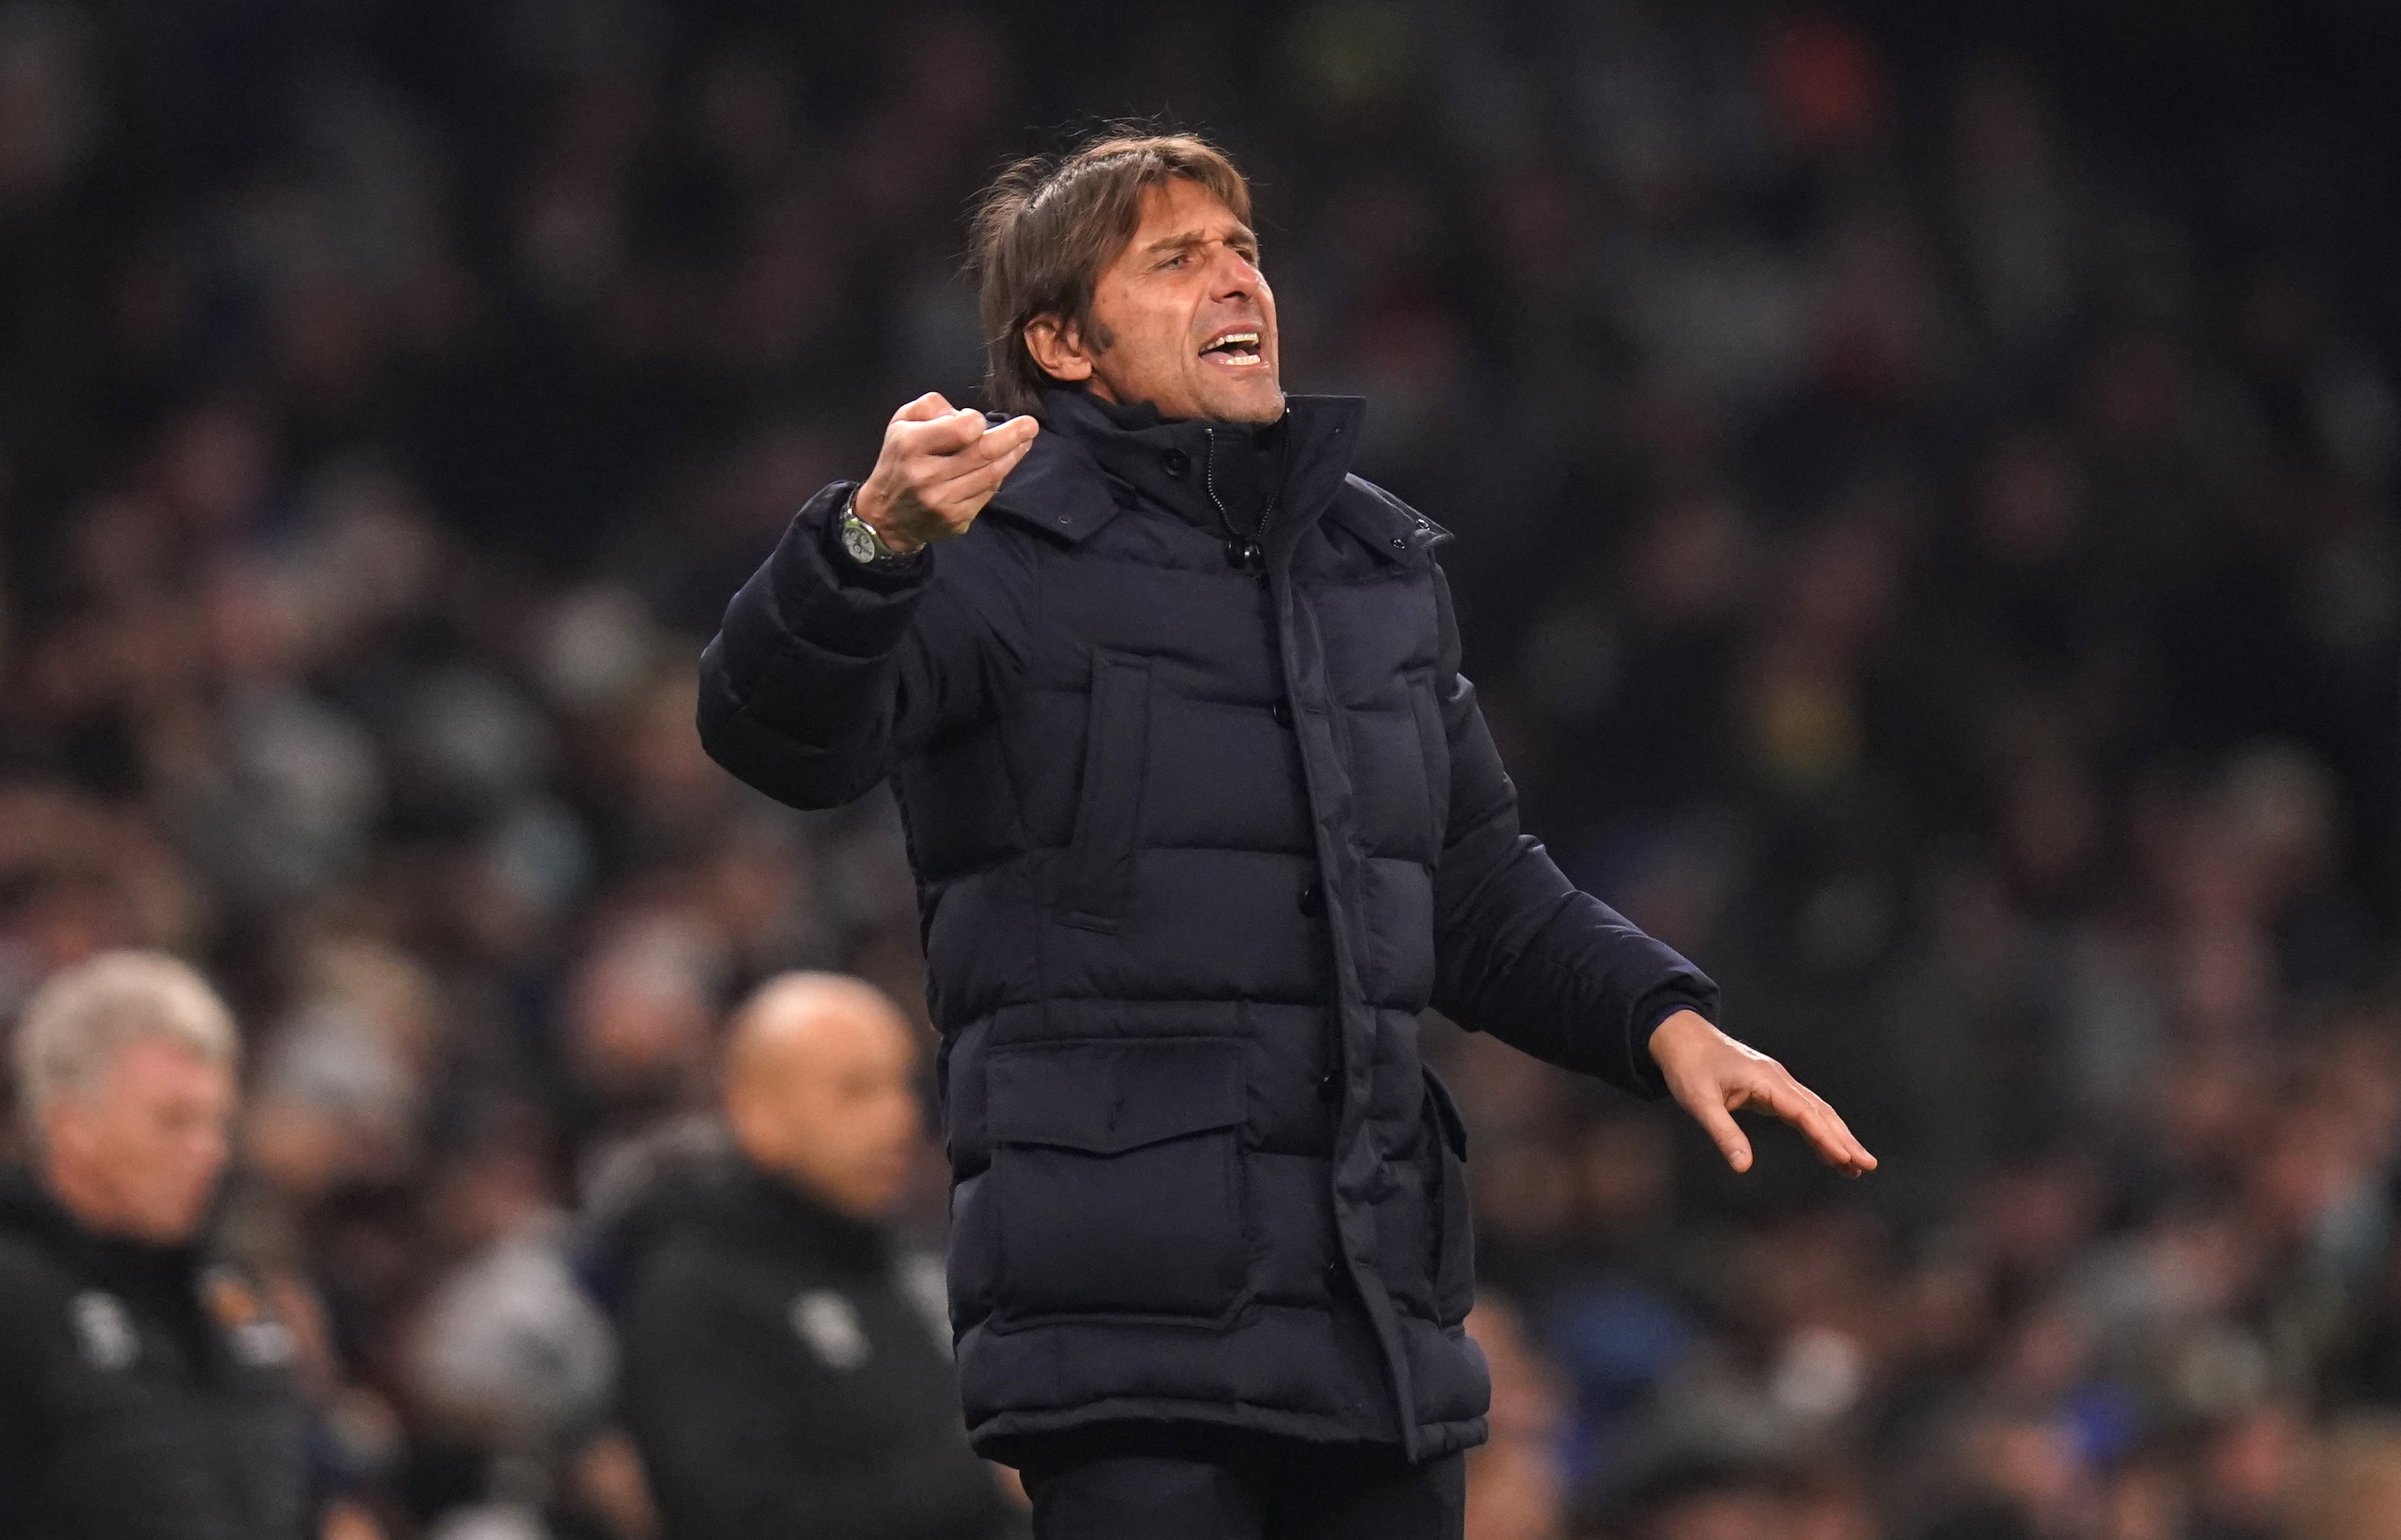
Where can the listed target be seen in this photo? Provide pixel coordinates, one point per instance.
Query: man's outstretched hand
(938, 467)
(1711, 1075)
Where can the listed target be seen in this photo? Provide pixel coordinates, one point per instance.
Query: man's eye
(1176, 261)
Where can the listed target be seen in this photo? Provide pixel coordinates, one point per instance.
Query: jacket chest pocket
(1117, 1178)
(1099, 867)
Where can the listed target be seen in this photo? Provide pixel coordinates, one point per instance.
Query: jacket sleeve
(713, 1408)
(824, 673)
(1519, 951)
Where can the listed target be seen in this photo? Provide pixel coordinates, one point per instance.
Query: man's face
(859, 1127)
(833, 1105)
(1190, 320)
(138, 1152)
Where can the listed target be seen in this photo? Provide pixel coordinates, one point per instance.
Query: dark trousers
(1190, 1483)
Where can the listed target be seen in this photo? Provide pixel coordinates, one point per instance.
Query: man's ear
(753, 1122)
(1058, 348)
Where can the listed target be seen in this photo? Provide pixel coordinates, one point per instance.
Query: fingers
(1706, 1100)
(1015, 435)
(963, 437)
(945, 434)
(1720, 1126)
(1007, 441)
(1714, 1088)
(970, 490)
(924, 408)
(971, 466)
(1836, 1145)
(1841, 1147)
(1820, 1124)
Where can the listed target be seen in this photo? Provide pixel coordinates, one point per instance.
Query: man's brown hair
(1047, 227)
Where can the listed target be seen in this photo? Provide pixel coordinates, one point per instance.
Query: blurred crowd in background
(1927, 542)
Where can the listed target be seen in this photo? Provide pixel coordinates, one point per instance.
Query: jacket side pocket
(1454, 1250)
(1116, 1168)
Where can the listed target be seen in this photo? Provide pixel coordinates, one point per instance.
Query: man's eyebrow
(1241, 235)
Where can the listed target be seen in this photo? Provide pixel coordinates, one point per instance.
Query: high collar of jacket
(761, 1208)
(28, 1208)
(1093, 457)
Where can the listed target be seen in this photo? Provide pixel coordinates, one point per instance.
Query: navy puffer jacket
(1194, 843)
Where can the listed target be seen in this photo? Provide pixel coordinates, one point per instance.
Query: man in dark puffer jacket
(1202, 815)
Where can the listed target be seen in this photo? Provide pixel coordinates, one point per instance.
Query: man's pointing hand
(1711, 1075)
(940, 465)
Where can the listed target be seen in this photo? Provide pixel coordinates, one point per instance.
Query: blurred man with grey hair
(144, 1385)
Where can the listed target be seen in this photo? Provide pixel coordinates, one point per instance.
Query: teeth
(1230, 338)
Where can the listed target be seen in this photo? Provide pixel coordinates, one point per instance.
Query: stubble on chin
(1254, 409)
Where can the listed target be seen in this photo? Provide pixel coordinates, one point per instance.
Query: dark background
(1924, 478)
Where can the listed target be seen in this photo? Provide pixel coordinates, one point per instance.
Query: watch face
(858, 540)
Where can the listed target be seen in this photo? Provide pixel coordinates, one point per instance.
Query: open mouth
(1239, 349)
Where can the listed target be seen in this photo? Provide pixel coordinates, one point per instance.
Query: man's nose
(1237, 276)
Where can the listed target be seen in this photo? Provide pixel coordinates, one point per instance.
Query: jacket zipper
(1242, 551)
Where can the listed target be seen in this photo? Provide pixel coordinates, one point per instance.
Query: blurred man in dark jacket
(143, 1383)
(785, 1376)
(1202, 815)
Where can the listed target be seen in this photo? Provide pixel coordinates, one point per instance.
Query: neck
(795, 1182)
(1136, 413)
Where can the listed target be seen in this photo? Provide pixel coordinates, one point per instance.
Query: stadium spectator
(145, 1382)
(786, 1369)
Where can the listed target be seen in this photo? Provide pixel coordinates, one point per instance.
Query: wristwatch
(864, 545)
